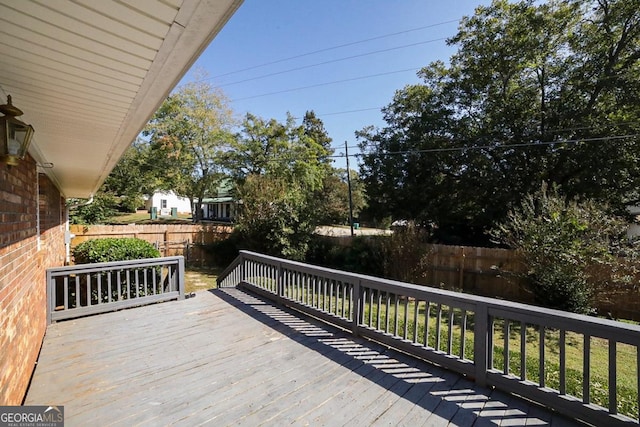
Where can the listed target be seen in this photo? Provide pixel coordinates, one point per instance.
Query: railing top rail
(85, 268)
(590, 325)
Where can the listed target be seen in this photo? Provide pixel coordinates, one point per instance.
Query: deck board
(227, 357)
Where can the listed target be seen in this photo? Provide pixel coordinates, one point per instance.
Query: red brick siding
(23, 261)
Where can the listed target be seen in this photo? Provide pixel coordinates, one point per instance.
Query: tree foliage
(189, 136)
(567, 245)
(333, 198)
(279, 169)
(102, 207)
(132, 177)
(536, 92)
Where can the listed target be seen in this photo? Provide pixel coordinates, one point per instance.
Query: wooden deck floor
(229, 358)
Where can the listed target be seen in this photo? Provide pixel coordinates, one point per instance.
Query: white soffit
(88, 74)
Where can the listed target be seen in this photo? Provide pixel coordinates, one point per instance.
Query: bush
(362, 255)
(113, 249)
(562, 242)
(223, 252)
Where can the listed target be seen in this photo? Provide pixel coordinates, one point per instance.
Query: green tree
(464, 145)
(333, 199)
(102, 207)
(189, 136)
(569, 248)
(279, 169)
(132, 177)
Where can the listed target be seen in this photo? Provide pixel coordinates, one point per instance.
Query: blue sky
(248, 58)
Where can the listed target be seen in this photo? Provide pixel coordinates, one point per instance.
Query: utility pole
(346, 153)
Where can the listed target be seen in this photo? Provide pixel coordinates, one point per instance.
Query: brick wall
(25, 195)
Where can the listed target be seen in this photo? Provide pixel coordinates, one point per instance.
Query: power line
(493, 147)
(346, 58)
(277, 61)
(327, 83)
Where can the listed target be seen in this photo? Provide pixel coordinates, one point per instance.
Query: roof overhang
(89, 74)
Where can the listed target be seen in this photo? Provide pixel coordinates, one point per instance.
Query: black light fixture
(15, 135)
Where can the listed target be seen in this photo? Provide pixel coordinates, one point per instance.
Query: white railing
(551, 357)
(85, 289)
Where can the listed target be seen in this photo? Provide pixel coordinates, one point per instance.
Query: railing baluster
(406, 317)
(386, 312)
(450, 334)
(506, 331)
(563, 362)
(438, 326)
(541, 365)
(523, 351)
(416, 310)
(370, 295)
(350, 305)
(586, 370)
(99, 282)
(343, 287)
(613, 376)
(88, 286)
(137, 274)
(110, 286)
(378, 310)
(491, 323)
(427, 312)
(128, 276)
(119, 284)
(463, 332)
(395, 322)
(65, 284)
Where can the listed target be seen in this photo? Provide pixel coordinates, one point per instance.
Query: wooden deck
(227, 357)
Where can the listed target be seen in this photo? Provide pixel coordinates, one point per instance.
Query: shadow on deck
(230, 357)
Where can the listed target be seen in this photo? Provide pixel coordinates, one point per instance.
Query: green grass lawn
(145, 218)
(201, 278)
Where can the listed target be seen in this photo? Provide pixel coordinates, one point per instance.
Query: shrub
(113, 249)
(223, 252)
(562, 243)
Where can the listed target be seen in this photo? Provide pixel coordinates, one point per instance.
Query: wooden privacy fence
(492, 272)
(476, 270)
(495, 342)
(187, 240)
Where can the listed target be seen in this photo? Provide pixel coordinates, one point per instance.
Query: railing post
(280, 279)
(180, 278)
(357, 307)
(481, 343)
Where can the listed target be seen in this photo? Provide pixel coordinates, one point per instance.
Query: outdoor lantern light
(15, 136)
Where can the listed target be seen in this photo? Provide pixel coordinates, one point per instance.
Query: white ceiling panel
(88, 74)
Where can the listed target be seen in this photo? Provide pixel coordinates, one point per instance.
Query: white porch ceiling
(88, 74)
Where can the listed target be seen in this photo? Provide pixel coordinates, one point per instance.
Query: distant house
(164, 201)
(223, 206)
